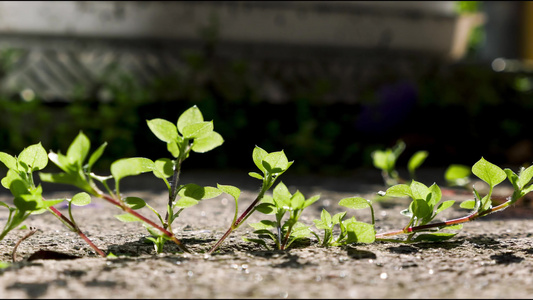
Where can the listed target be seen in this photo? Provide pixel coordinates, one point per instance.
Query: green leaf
(9, 161)
(207, 142)
(418, 190)
(468, 204)
(199, 192)
(11, 175)
(383, 160)
(127, 218)
(436, 195)
(190, 116)
(420, 208)
(444, 205)
(19, 187)
(297, 201)
(264, 224)
(174, 149)
(399, 190)
(135, 202)
(325, 216)
(34, 157)
(185, 202)
(78, 150)
(258, 156)
(256, 175)
(525, 177)
(359, 232)
(266, 208)
(48, 203)
(456, 172)
(131, 166)
(354, 203)
(454, 227)
(65, 178)
(276, 162)
(197, 130)
(488, 172)
(310, 201)
(97, 154)
(230, 190)
(300, 231)
(164, 168)
(81, 199)
(337, 218)
(319, 224)
(282, 196)
(163, 129)
(416, 160)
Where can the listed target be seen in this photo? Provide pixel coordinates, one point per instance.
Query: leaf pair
(191, 126)
(271, 164)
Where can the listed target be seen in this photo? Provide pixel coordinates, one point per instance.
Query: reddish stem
(77, 230)
(468, 218)
(144, 219)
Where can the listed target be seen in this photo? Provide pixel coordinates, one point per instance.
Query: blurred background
(327, 81)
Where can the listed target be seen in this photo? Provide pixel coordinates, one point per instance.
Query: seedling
(78, 174)
(351, 231)
(457, 175)
(28, 197)
(421, 211)
(385, 160)
(272, 165)
(285, 233)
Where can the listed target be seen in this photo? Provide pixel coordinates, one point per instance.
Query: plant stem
(468, 218)
(14, 253)
(76, 229)
(173, 191)
(241, 219)
(144, 219)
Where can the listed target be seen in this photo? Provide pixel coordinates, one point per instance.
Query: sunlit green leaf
(488, 172)
(468, 204)
(354, 203)
(297, 200)
(418, 190)
(399, 190)
(266, 208)
(433, 237)
(135, 202)
(420, 208)
(444, 205)
(311, 201)
(127, 218)
(416, 160)
(197, 130)
(258, 156)
(164, 168)
(190, 116)
(163, 129)
(96, 155)
(199, 192)
(81, 199)
(230, 190)
(359, 232)
(525, 177)
(174, 149)
(255, 175)
(207, 142)
(276, 162)
(34, 157)
(185, 202)
(337, 218)
(457, 172)
(325, 216)
(264, 224)
(79, 149)
(282, 196)
(9, 161)
(131, 166)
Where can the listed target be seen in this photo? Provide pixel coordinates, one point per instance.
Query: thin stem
(76, 229)
(468, 218)
(14, 253)
(144, 219)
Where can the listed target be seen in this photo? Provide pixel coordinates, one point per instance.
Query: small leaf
(282, 196)
(131, 166)
(297, 201)
(190, 116)
(207, 142)
(311, 201)
(197, 130)
(300, 231)
(81, 199)
(399, 190)
(264, 224)
(164, 168)
(457, 172)
(319, 224)
(34, 157)
(96, 155)
(325, 216)
(266, 208)
(174, 149)
(9, 161)
(199, 192)
(418, 190)
(45, 204)
(525, 177)
(488, 172)
(468, 204)
(258, 156)
(163, 130)
(416, 160)
(359, 232)
(256, 175)
(127, 218)
(135, 202)
(420, 208)
(454, 227)
(185, 202)
(78, 150)
(230, 190)
(354, 203)
(444, 205)
(276, 162)
(337, 218)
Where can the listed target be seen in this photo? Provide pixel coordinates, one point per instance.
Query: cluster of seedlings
(192, 134)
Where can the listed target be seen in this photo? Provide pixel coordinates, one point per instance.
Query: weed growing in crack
(285, 233)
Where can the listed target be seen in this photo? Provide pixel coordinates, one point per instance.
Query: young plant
(78, 174)
(351, 231)
(191, 133)
(457, 175)
(272, 165)
(480, 206)
(285, 233)
(28, 197)
(385, 160)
